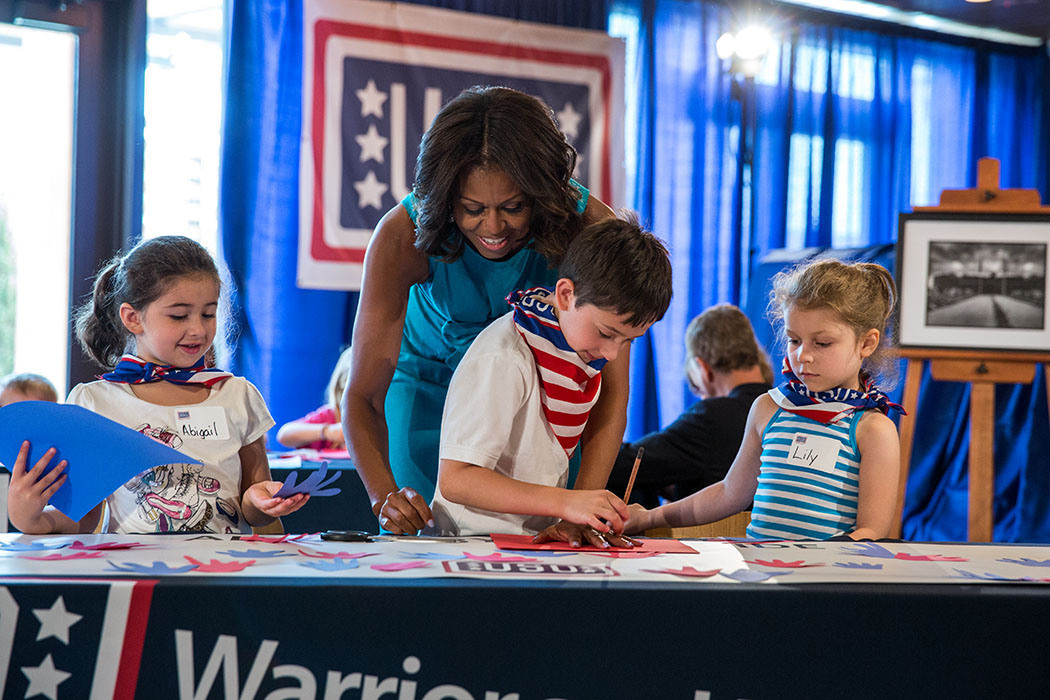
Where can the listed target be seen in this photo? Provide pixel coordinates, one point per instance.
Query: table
(935, 620)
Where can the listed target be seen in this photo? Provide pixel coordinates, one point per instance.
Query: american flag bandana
(135, 370)
(832, 405)
(569, 386)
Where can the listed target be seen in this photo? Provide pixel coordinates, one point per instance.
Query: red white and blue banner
(376, 73)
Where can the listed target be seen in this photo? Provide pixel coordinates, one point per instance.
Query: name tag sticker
(814, 451)
(202, 423)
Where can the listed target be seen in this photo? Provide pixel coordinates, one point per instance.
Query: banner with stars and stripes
(376, 73)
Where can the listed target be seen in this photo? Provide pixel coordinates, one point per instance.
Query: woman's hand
(31, 490)
(261, 496)
(403, 512)
(579, 535)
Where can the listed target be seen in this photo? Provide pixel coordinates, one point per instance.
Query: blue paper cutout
(1025, 561)
(331, 564)
(157, 567)
(869, 549)
(986, 576)
(30, 546)
(749, 576)
(311, 485)
(102, 454)
(257, 553)
(857, 565)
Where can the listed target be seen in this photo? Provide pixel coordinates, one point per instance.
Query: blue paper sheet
(102, 454)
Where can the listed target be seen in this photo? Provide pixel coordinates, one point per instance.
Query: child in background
(26, 387)
(820, 457)
(322, 429)
(519, 400)
(160, 301)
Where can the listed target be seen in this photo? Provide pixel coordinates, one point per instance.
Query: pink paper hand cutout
(401, 566)
(219, 567)
(685, 572)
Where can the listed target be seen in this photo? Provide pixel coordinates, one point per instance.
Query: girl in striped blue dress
(820, 456)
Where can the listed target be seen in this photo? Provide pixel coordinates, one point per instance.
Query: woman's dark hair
(138, 279)
(500, 128)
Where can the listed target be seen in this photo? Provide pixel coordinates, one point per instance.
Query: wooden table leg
(982, 481)
(912, 380)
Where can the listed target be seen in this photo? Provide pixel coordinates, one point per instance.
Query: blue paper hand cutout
(157, 568)
(257, 553)
(331, 564)
(30, 546)
(868, 549)
(102, 454)
(312, 485)
(857, 565)
(750, 576)
(1025, 561)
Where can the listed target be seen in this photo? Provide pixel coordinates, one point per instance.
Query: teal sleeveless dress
(445, 313)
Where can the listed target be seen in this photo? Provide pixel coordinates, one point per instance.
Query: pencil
(634, 473)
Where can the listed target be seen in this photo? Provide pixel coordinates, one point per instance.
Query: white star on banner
(372, 99)
(44, 679)
(55, 621)
(370, 191)
(372, 144)
(569, 120)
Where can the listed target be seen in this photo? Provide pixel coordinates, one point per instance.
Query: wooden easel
(982, 369)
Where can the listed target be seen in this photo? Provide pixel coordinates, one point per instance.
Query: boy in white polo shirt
(518, 402)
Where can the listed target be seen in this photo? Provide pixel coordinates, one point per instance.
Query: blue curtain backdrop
(852, 125)
(290, 338)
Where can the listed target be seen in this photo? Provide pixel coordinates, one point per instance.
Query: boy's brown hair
(615, 264)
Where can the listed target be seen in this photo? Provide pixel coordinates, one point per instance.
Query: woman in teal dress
(492, 211)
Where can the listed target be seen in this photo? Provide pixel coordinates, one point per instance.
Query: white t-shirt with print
(183, 497)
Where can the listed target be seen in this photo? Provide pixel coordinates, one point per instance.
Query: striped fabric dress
(809, 479)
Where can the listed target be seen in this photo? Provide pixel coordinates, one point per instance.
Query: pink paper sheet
(652, 546)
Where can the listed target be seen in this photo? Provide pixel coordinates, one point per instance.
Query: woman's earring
(450, 217)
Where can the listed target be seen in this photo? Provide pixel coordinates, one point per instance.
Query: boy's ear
(130, 318)
(564, 294)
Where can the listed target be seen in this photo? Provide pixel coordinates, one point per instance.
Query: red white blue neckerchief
(569, 386)
(135, 370)
(832, 405)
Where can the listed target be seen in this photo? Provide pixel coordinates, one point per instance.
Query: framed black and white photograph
(974, 281)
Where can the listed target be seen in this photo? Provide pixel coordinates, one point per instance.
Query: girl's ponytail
(99, 330)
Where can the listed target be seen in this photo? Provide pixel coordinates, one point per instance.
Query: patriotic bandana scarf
(828, 406)
(135, 370)
(569, 386)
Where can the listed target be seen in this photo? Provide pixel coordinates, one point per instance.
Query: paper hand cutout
(857, 565)
(256, 553)
(868, 549)
(685, 572)
(781, 564)
(102, 454)
(331, 564)
(311, 485)
(106, 546)
(217, 566)
(156, 568)
(749, 576)
(71, 555)
(1025, 561)
(400, 566)
(36, 546)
